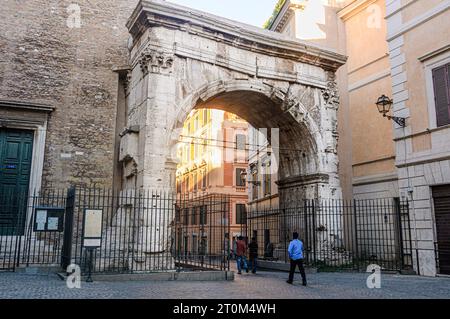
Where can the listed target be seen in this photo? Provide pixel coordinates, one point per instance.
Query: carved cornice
(157, 13)
(38, 107)
(251, 68)
(297, 181)
(286, 12)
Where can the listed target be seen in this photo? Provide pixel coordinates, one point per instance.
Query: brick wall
(42, 60)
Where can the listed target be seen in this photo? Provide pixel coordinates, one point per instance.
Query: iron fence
(202, 231)
(337, 234)
(154, 231)
(20, 242)
(141, 230)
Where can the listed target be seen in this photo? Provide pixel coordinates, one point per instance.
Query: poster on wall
(49, 219)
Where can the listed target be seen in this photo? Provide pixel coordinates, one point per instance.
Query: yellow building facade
(212, 154)
(401, 49)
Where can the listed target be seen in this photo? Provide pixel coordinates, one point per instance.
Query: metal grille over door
(441, 196)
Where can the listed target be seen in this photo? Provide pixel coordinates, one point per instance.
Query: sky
(254, 12)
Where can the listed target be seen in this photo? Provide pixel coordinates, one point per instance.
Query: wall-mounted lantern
(384, 105)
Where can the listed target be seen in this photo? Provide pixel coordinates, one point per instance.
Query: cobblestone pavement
(270, 285)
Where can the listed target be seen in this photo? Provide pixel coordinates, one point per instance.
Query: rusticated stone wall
(43, 60)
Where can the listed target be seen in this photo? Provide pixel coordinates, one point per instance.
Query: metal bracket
(399, 120)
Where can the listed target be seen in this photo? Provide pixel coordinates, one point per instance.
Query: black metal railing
(141, 230)
(202, 231)
(337, 234)
(154, 231)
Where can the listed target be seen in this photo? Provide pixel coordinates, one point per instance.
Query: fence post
(66, 253)
(314, 206)
(410, 240)
(355, 228)
(307, 243)
(17, 231)
(400, 233)
(284, 236)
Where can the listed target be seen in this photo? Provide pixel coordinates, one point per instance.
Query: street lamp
(244, 179)
(384, 105)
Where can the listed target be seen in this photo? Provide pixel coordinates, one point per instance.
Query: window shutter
(441, 83)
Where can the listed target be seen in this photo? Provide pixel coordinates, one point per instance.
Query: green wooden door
(16, 148)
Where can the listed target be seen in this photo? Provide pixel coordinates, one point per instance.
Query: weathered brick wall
(43, 60)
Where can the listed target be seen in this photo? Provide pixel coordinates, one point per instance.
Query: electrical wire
(257, 146)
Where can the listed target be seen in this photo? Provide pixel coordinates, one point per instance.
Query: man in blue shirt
(295, 251)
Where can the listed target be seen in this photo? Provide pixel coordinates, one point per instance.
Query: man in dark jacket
(253, 254)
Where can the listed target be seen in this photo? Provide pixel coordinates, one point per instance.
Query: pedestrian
(295, 251)
(241, 249)
(253, 254)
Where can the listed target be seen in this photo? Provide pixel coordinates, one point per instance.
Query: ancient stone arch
(181, 59)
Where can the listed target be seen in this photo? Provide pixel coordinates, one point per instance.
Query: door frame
(434, 225)
(31, 117)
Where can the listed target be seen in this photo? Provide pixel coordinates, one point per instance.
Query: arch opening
(293, 149)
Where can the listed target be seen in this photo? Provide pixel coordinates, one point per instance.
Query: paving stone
(263, 285)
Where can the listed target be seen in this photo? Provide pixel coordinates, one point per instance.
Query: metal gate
(11, 232)
(142, 231)
(337, 234)
(37, 239)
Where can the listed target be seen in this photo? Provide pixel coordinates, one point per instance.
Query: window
(255, 137)
(254, 185)
(241, 214)
(192, 151)
(194, 177)
(239, 180)
(205, 116)
(203, 246)
(188, 186)
(267, 179)
(196, 124)
(194, 245)
(240, 141)
(204, 178)
(179, 185)
(186, 216)
(194, 216)
(441, 85)
(177, 215)
(203, 211)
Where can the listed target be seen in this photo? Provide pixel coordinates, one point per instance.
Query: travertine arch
(182, 59)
